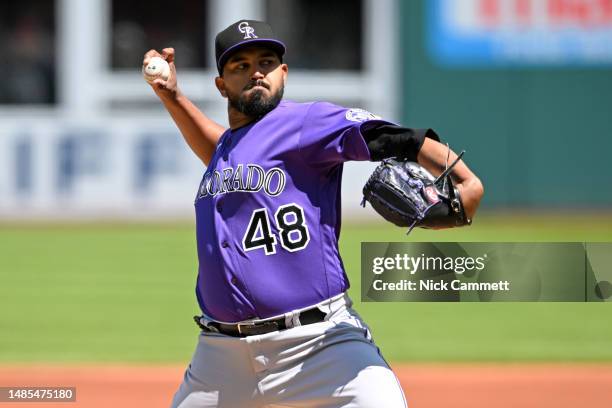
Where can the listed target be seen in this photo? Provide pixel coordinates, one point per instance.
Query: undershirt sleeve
(388, 140)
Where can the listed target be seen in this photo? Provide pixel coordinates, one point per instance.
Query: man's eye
(240, 67)
(266, 62)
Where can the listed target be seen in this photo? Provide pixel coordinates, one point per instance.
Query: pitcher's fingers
(150, 54)
(159, 83)
(168, 54)
(172, 67)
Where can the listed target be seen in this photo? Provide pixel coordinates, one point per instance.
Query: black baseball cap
(244, 33)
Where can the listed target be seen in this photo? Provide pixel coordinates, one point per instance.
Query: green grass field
(125, 292)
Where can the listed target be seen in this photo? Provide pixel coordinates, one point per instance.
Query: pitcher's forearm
(433, 156)
(200, 132)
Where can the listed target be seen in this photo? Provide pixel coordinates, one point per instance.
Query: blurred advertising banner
(492, 33)
(135, 167)
(101, 167)
(486, 272)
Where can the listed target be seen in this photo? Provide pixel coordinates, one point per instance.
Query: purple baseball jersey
(268, 211)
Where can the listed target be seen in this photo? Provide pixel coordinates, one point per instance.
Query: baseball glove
(408, 195)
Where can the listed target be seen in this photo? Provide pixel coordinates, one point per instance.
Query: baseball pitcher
(277, 327)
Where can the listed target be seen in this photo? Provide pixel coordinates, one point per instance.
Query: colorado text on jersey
(228, 180)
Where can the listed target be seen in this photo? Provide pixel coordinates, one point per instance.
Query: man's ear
(220, 84)
(285, 70)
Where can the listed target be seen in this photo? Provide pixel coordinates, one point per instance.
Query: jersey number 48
(291, 225)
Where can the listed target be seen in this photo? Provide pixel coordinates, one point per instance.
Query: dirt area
(432, 385)
(507, 385)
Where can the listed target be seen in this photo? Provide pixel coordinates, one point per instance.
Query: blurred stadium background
(523, 85)
(97, 246)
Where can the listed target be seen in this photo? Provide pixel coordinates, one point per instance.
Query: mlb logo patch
(360, 115)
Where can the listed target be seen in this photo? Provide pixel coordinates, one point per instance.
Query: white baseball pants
(329, 364)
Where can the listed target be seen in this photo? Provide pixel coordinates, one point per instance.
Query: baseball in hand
(156, 68)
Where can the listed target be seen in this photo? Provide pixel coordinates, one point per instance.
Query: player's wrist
(171, 96)
(471, 191)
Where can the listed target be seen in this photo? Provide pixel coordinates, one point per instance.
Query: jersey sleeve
(332, 134)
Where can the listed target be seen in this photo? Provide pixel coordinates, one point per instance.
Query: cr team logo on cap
(247, 30)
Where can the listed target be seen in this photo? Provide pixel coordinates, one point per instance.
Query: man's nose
(257, 75)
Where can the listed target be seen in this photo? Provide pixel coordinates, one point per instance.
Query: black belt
(309, 316)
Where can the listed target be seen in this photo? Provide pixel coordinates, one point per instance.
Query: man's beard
(257, 105)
